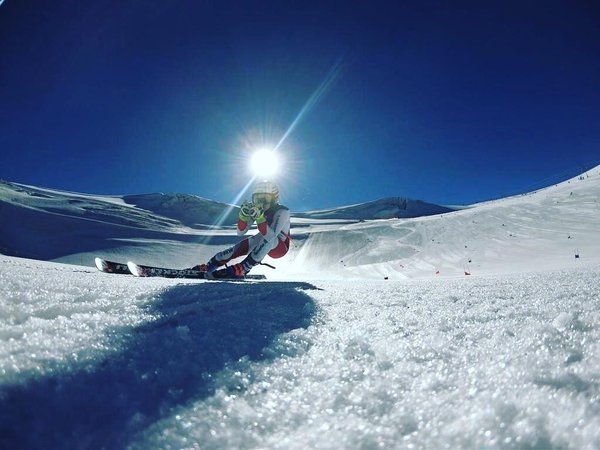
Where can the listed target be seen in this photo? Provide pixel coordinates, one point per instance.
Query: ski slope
(328, 353)
(543, 230)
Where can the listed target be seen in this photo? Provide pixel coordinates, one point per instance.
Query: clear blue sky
(448, 102)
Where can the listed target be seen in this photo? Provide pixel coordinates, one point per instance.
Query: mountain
(386, 208)
(543, 230)
(190, 210)
(49, 224)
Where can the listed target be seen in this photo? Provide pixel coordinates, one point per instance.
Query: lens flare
(327, 82)
(265, 163)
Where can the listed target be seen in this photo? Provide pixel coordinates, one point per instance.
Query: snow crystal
(425, 365)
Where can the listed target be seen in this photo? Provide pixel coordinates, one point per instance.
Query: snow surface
(330, 356)
(386, 208)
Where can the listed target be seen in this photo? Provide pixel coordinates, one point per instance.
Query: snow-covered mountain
(543, 229)
(50, 224)
(373, 338)
(190, 210)
(386, 208)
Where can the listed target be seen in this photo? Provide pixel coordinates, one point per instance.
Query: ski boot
(208, 267)
(235, 271)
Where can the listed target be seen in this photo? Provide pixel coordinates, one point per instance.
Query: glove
(249, 211)
(258, 215)
(246, 211)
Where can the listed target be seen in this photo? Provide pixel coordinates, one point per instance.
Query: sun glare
(265, 163)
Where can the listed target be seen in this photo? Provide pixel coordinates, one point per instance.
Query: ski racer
(273, 238)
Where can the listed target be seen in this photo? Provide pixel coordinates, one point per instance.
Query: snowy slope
(542, 230)
(508, 357)
(190, 210)
(386, 208)
(57, 225)
(92, 360)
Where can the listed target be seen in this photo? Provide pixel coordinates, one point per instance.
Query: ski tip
(100, 264)
(135, 269)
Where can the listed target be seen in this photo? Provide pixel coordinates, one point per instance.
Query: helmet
(265, 192)
(266, 187)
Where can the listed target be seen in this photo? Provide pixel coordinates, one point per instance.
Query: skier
(273, 239)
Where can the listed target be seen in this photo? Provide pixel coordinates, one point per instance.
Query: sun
(265, 163)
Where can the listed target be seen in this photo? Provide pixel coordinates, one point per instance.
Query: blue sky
(447, 102)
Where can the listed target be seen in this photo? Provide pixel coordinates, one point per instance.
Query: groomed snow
(91, 360)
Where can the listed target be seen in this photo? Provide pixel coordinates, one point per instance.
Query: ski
(131, 268)
(106, 266)
(149, 271)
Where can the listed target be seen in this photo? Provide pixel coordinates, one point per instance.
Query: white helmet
(267, 187)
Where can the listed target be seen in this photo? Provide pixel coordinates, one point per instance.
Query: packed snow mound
(190, 210)
(386, 208)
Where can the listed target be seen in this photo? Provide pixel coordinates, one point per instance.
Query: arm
(244, 219)
(281, 222)
(242, 227)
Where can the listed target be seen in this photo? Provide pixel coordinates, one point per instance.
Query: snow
(468, 363)
(386, 208)
(327, 353)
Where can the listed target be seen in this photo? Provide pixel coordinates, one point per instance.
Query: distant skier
(273, 239)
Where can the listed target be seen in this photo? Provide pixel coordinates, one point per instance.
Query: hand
(250, 211)
(258, 215)
(246, 211)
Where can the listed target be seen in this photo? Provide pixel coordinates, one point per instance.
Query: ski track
(90, 360)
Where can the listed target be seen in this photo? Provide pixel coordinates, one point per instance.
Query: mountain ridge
(384, 208)
(546, 227)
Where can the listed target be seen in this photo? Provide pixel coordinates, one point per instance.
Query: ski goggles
(262, 199)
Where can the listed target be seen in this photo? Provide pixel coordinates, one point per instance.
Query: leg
(258, 246)
(244, 247)
(223, 257)
(264, 248)
(281, 249)
(239, 249)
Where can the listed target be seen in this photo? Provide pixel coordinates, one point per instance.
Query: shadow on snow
(169, 362)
